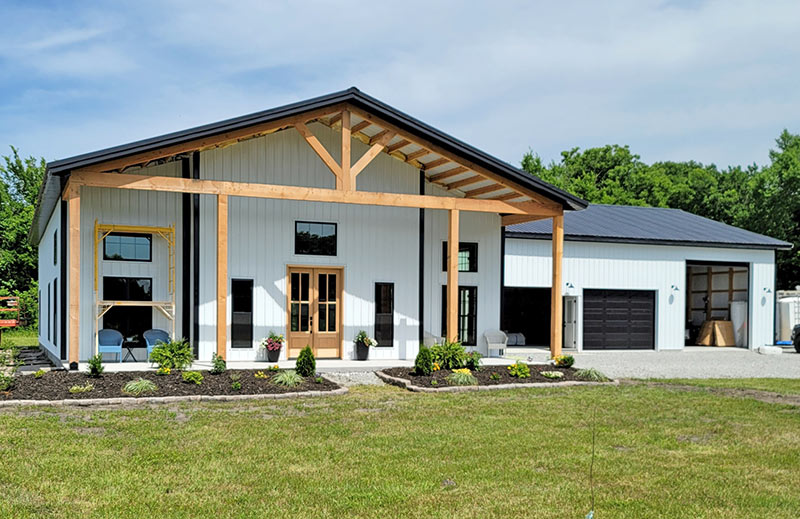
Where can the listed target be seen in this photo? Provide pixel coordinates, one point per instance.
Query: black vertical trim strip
(186, 240)
(421, 287)
(774, 299)
(502, 272)
(195, 339)
(63, 267)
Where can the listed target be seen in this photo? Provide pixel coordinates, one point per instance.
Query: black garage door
(618, 319)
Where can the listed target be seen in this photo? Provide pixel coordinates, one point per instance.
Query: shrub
(449, 355)
(95, 366)
(236, 385)
(519, 369)
(552, 374)
(318, 380)
(473, 360)
(81, 389)
(6, 382)
(288, 378)
(495, 376)
(306, 365)
(434, 382)
(261, 374)
(423, 364)
(564, 361)
(192, 377)
(591, 375)
(462, 378)
(172, 354)
(139, 387)
(217, 364)
(39, 374)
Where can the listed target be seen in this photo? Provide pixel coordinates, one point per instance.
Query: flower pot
(273, 355)
(362, 352)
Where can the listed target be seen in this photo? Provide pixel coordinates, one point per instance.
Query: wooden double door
(314, 311)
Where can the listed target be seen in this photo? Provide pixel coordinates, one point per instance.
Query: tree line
(760, 199)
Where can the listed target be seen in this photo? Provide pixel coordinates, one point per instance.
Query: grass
(21, 337)
(384, 452)
(785, 386)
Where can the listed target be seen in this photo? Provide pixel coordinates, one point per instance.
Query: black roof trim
(635, 241)
(351, 95)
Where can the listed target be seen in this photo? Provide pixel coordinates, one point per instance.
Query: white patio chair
(496, 340)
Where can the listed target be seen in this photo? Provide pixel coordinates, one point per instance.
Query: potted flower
(363, 343)
(273, 345)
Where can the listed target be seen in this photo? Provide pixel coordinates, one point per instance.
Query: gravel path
(354, 378)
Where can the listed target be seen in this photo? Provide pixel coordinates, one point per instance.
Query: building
(640, 278)
(316, 220)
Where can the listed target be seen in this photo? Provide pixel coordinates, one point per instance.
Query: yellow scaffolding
(101, 231)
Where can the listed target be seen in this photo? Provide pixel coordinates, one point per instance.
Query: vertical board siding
(49, 271)
(644, 267)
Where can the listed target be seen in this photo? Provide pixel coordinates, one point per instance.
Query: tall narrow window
(55, 247)
(467, 257)
(55, 311)
(242, 313)
(384, 314)
(119, 246)
(315, 238)
(467, 315)
(49, 324)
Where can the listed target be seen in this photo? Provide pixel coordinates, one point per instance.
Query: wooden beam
(513, 219)
(420, 141)
(485, 189)
(348, 182)
(363, 125)
(335, 119)
(507, 196)
(320, 150)
(307, 194)
(435, 163)
(397, 145)
(444, 175)
(74, 283)
(211, 141)
(452, 277)
(371, 153)
(375, 138)
(417, 154)
(466, 182)
(556, 303)
(222, 275)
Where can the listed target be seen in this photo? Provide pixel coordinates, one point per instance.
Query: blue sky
(711, 81)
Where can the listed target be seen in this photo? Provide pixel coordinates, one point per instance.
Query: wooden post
(556, 305)
(452, 277)
(347, 181)
(222, 275)
(74, 210)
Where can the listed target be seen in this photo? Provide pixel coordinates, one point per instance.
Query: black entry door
(619, 319)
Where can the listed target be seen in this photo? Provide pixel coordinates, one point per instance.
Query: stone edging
(132, 401)
(406, 384)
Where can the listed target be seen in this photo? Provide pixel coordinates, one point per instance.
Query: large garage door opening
(717, 292)
(619, 319)
(526, 316)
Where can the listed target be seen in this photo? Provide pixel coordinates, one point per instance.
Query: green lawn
(384, 452)
(784, 386)
(25, 337)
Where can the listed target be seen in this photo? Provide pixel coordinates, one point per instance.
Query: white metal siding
(49, 275)
(643, 267)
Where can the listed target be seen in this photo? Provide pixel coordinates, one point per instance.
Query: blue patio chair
(153, 337)
(110, 341)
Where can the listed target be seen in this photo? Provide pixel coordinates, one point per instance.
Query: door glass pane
(332, 317)
(323, 287)
(304, 317)
(332, 287)
(304, 278)
(295, 282)
(322, 326)
(295, 317)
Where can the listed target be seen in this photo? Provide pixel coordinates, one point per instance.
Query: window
(315, 238)
(467, 257)
(55, 311)
(49, 324)
(119, 246)
(55, 247)
(467, 314)
(130, 321)
(384, 314)
(241, 313)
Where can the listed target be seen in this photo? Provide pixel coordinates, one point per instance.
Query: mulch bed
(54, 385)
(484, 376)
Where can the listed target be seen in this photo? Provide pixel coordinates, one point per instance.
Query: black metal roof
(354, 96)
(646, 225)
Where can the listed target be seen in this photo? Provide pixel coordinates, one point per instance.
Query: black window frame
(387, 341)
(49, 323)
(54, 315)
(55, 247)
(297, 250)
(471, 247)
(473, 325)
(246, 341)
(132, 235)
